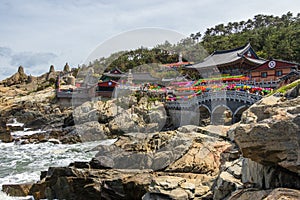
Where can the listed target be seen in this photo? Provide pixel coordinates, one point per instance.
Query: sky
(40, 33)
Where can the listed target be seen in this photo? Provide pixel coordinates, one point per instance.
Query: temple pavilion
(238, 61)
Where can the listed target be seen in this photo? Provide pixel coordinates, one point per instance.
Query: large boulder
(142, 151)
(6, 136)
(17, 190)
(203, 156)
(268, 137)
(229, 179)
(278, 193)
(84, 183)
(266, 176)
(269, 133)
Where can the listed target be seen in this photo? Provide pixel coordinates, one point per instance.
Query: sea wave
(23, 163)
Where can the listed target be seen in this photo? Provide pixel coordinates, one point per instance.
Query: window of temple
(264, 74)
(278, 73)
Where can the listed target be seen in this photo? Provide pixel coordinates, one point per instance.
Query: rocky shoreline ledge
(256, 158)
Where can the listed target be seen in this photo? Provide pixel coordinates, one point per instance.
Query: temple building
(113, 75)
(272, 70)
(232, 62)
(116, 77)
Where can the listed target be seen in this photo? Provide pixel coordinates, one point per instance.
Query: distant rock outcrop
(51, 69)
(52, 74)
(18, 78)
(66, 68)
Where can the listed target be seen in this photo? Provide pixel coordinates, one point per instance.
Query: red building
(272, 70)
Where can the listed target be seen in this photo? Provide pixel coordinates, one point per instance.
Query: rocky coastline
(256, 158)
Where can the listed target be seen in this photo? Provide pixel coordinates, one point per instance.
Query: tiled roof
(227, 56)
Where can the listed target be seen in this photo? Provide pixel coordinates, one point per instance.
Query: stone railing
(264, 84)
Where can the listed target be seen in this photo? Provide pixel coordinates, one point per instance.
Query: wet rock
(17, 190)
(6, 136)
(71, 183)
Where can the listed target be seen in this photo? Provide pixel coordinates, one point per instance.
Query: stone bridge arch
(221, 115)
(204, 115)
(236, 117)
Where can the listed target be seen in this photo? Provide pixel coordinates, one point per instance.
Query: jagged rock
(18, 78)
(30, 79)
(251, 193)
(267, 176)
(214, 130)
(179, 186)
(170, 188)
(188, 129)
(278, 193)
(142, 151)
(203, 156)
(293, 93)
(51, 69)
(284, 193)
(66, 68)
(5, 136)
(126, 123)
(17, 190)
(21, 70)
(91, 131)
(225, 185)
(72, 183)
(96, 111)
(269, 133)
(235, 168)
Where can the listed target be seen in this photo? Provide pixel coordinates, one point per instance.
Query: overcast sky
(38, 33)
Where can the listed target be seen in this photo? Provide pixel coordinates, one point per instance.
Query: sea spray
(23, 163)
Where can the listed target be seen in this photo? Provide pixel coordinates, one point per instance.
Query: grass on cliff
(286, 88)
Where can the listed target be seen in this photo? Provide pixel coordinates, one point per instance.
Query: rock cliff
(268, 137)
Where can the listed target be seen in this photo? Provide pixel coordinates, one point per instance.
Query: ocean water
(23, 163)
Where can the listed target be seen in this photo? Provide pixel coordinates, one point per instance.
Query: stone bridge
(213, 105)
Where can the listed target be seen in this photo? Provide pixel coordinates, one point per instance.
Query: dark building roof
(219, 58)
(143, 76)
(116, 72)
(137, 76)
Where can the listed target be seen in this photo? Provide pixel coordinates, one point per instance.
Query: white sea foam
(23, 163)
(15, 123)
(26, 132)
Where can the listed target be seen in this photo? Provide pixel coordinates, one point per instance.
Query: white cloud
(30, 59)
(5, 51)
